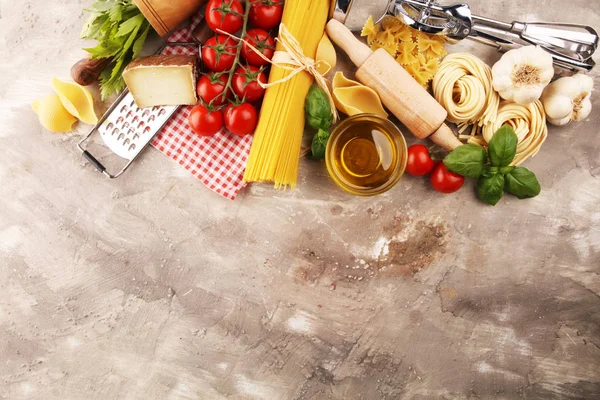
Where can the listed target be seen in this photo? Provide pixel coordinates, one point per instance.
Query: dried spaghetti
(275, 152)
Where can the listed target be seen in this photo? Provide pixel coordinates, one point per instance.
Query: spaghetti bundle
(463, 86)
(275, 152)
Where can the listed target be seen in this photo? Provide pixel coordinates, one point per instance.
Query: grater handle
(92, 160)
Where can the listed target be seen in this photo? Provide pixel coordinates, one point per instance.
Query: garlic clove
(559, 122)
(559, 107)
(585, 82)
(527, 94)
(584, 111)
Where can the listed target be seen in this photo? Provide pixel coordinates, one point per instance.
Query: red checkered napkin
(218, 161)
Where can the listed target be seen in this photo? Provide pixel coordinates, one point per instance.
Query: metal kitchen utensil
(127, 129)
(571, 45)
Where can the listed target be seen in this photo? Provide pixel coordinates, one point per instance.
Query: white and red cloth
(218, 161)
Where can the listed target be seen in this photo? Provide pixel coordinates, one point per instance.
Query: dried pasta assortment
(275, 152)
(528, 122)
(463, 85)
(352, 97)
(59, 112)
(418, 52)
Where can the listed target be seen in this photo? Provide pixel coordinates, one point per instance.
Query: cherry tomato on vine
(419, 161)
(444, 180)
(210, 88)
(245, 83)
(240, 119)
(218, 53)
(266, 14)
(204, 121)
(263, 42)
(226, 15)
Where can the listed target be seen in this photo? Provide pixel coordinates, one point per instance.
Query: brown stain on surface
(423, 246)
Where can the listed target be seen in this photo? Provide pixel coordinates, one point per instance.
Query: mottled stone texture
(152, 287)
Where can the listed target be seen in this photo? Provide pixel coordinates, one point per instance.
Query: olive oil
(366, 155)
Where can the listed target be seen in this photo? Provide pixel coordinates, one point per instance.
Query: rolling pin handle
(356, 50)
(445, 138)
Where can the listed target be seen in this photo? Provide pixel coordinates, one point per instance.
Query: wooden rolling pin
(399, 91)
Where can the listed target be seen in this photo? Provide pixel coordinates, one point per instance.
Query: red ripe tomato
(218, 53)
(266, 14)
(263, 42)
(210, 88)
(444, 180)
(245, 83)
(226, 15)
(240, 119)
(419, 161)
(205, 122)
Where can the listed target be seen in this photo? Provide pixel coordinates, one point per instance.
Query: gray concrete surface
(153, 287)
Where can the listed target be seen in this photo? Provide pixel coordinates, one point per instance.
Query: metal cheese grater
(127, 129)
(570, 45)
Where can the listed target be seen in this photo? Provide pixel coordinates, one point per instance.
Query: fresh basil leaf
(488, 172)
(490, 189)
(522, 183)
(319, 144)
(467, 160)
(318, 109)
(503, 147)
(506, 170)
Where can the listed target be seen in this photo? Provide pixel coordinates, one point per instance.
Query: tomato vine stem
(236, 63)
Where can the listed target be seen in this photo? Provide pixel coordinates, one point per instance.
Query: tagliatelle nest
(418, 52)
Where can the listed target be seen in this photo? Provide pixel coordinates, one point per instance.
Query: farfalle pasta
(418, 52)
(352, 97)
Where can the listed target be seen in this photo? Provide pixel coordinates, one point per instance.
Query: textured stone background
(152, 287)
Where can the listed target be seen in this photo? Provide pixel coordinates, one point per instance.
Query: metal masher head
(427, 16)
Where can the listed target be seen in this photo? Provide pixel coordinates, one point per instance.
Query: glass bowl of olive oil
(366, 155)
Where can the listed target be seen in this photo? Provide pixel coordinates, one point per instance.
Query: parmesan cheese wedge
(162, 80)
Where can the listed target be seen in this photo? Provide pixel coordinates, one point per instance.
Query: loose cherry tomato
(444, 180)
(205, 122)
(266, 14)
(226, 15)
(240, 119)
(245, 83)
(210, 88)
(218, 53)
(263, 42)
(419, 161)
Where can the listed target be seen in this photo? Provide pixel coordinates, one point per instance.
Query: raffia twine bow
(293, 59)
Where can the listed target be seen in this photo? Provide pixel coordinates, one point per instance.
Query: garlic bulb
(568, 99)
(522, 74)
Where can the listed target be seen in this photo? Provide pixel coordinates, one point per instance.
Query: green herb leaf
(319, 144)
(490, 187)
(467, 160)
(503, 147)
(138, 45)
(522, 183)
(131, 25)
(317, 108)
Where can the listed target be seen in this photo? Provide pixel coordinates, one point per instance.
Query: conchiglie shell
(353, 98)
(77, 100)
(326, 57)
(53, 115)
